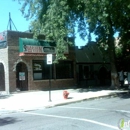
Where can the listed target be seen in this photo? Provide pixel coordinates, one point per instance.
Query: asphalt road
(98, 114)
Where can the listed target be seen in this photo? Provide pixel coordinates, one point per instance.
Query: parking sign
(49, 58)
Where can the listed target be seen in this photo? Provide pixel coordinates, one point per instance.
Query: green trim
(34, 42)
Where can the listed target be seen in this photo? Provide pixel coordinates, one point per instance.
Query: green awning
(27, 45)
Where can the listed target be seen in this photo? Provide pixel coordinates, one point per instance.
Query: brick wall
(13, 55)
(13, 58)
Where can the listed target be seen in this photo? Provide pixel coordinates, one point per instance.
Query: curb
(51, 105)
(84, 99)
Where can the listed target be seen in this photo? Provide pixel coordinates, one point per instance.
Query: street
(97, 114)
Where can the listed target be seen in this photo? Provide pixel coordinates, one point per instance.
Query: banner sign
(3, 40)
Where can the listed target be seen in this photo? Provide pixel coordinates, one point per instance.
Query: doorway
(102, 75)
(21, 77)
(2, 77)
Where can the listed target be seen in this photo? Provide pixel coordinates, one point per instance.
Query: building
(23, 64)
(92, 66)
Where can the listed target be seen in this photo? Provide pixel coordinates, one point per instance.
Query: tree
(106, 17)
(58, 18)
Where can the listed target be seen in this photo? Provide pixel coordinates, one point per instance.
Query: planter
(65, 94)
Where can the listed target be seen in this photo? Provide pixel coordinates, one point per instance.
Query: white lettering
(33, 49)
(127, 124)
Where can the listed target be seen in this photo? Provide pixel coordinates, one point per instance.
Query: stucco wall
(4, 61)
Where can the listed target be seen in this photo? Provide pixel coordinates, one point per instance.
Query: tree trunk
(114, 74)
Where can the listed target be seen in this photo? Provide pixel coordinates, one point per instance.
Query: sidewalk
(32, 100)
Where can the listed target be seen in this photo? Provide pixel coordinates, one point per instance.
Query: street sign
(49, 59)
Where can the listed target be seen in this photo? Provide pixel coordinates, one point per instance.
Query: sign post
(49, 62)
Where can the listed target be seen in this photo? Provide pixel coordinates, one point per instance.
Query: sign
(33, 49)
(49, 50)
(49, 58)
(21, 75)
(38, 49)
(37, 66)
(3, 43)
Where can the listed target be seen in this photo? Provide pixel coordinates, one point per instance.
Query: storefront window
(63, 70)
(41, 70)
(37, 70)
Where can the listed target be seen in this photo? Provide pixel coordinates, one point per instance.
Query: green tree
(58, 18)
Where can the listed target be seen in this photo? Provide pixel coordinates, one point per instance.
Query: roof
(90, 54)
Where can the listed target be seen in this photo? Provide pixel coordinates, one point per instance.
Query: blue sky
(13, 7)
(19, 21)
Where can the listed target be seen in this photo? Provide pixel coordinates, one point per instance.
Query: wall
(14, 59)
(13, 55)
(4, 61)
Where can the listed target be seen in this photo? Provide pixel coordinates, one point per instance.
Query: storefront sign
(49, 50)
(36, 47)
(33, 49)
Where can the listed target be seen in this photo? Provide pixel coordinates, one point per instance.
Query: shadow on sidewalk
(7, 120)
(5, 96)
(124, 95)
(99, 88)
(93, 88)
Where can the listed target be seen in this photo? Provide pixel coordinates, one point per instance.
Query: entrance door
(102, 75)
(22, 76)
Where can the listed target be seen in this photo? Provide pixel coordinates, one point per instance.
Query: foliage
(118, 52)
(51, 19)
(58, 18)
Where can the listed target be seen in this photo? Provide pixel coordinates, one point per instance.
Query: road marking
(72, 118)
(98, 109)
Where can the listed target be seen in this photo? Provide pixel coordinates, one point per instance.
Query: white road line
(71, 118)
(98, 109)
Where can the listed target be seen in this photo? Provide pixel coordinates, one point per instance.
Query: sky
(13, 7)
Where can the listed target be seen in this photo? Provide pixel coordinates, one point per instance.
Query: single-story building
(92, 67)
(23, 63)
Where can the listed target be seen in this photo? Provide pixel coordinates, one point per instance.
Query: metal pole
(50, 84)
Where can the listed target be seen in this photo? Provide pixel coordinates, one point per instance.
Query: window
(37, 70)
(41, 70)
(62, 70)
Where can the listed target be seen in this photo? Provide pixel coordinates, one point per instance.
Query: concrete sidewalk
(32, 100)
